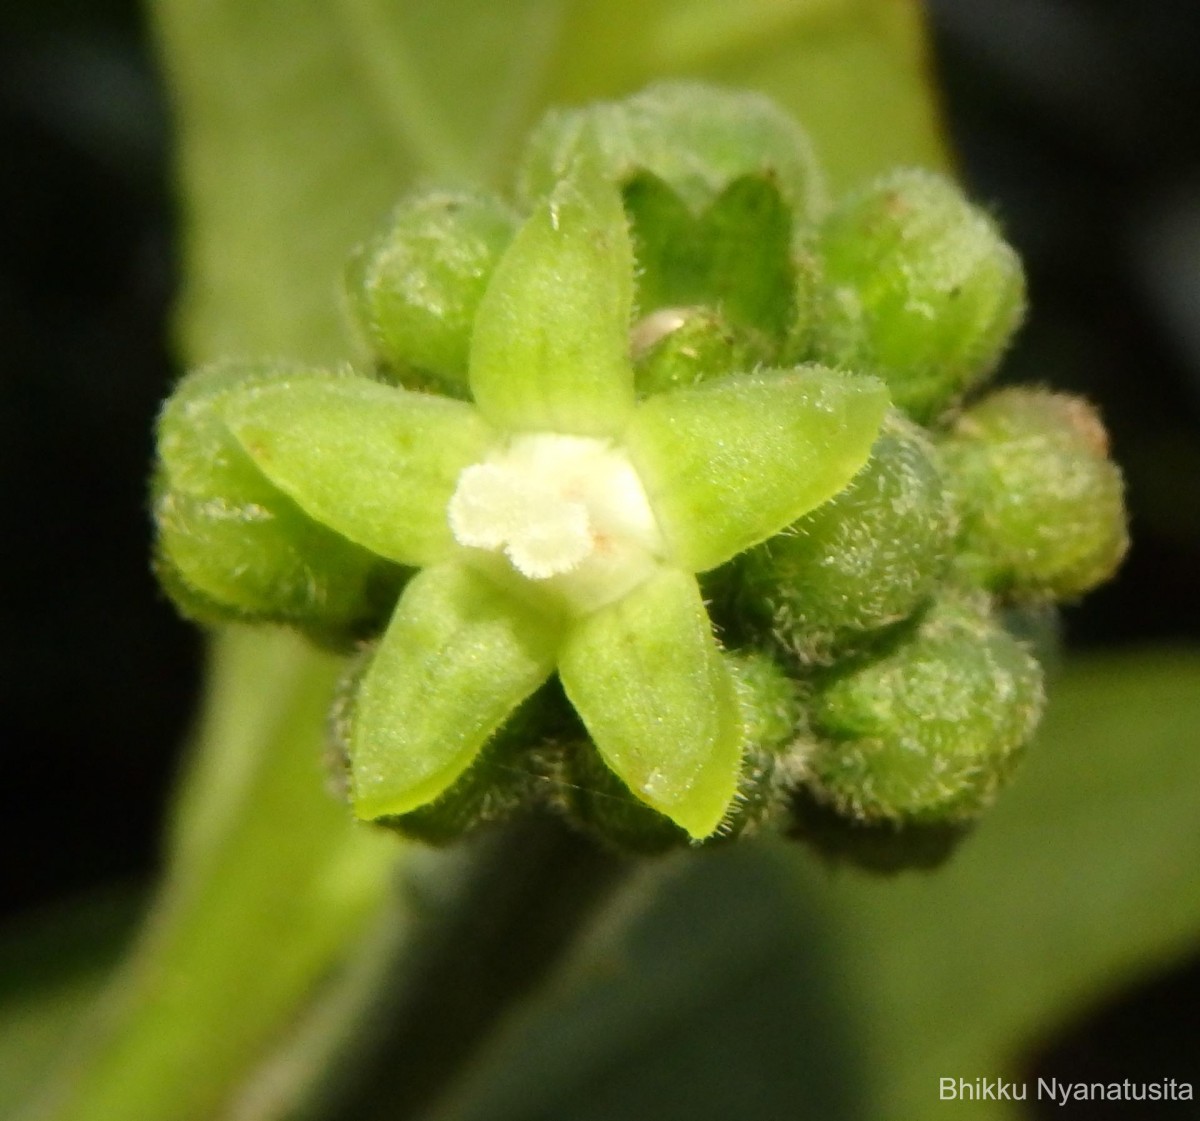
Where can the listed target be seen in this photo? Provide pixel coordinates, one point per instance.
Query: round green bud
(1043, 511)
(231, 546)
(769, 701)
(676, 347)
(866, 559)
(695, 137)
(923, 291)
(929, 730)
(414, 290)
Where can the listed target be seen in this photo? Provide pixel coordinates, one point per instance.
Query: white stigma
(556, 505)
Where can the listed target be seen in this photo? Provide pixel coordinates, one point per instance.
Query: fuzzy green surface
(1043, 505)
(230, 543)
(415, 288)
(679, 347)
(929, 731)
(923, 290)
(694, 137)
(867, 558)
(769, 711)
(735, 253)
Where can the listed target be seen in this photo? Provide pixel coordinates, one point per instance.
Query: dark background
(1076, 121)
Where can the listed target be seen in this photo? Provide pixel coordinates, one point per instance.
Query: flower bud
(694, 137)
(867, 558)
(1042, 504)
(414, 290)
(931, 729)
(231, 546)
(923, 290)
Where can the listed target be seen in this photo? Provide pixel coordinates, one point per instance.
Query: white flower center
(559, 506)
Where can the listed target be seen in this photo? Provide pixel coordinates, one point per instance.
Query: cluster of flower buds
(666, 495)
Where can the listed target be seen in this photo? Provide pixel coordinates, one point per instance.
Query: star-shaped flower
(558, 521)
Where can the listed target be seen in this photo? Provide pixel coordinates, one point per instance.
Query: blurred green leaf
(301, 125)
(703, 994)
(274, 883)
(730, 984)
(52, 965)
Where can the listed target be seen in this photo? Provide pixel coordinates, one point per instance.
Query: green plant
(558, 492)
(731, 943)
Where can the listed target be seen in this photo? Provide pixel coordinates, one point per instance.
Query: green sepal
(230, 545)
(736, 254)
(1043, 506)
(549, 351)
(866, 559)
(414, 289)
(924, 292)
(694, 137)
(647, 678)
(458, 657)
(729, 463)
(930, 729)
(376, 463)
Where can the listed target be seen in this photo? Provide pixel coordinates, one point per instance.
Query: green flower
(558, 521)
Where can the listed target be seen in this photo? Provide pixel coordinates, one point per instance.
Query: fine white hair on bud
(556, 505)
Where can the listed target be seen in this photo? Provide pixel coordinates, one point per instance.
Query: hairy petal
(549, 351)
(375, 463)
(646, 676)
(731, 462)
(459, 655)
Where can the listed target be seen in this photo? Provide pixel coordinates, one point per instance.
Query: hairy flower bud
(866, 559)
(231, 546)
(1042, 504)
(923, 290)
(695, 138)
(930, 730)
(414, 290)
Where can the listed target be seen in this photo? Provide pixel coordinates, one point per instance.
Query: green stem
(527, 894)
(267, 884)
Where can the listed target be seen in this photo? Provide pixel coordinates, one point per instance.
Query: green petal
(550, 348)
(375, 463)
(457, 658)
(729, 463)
(648, 680)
